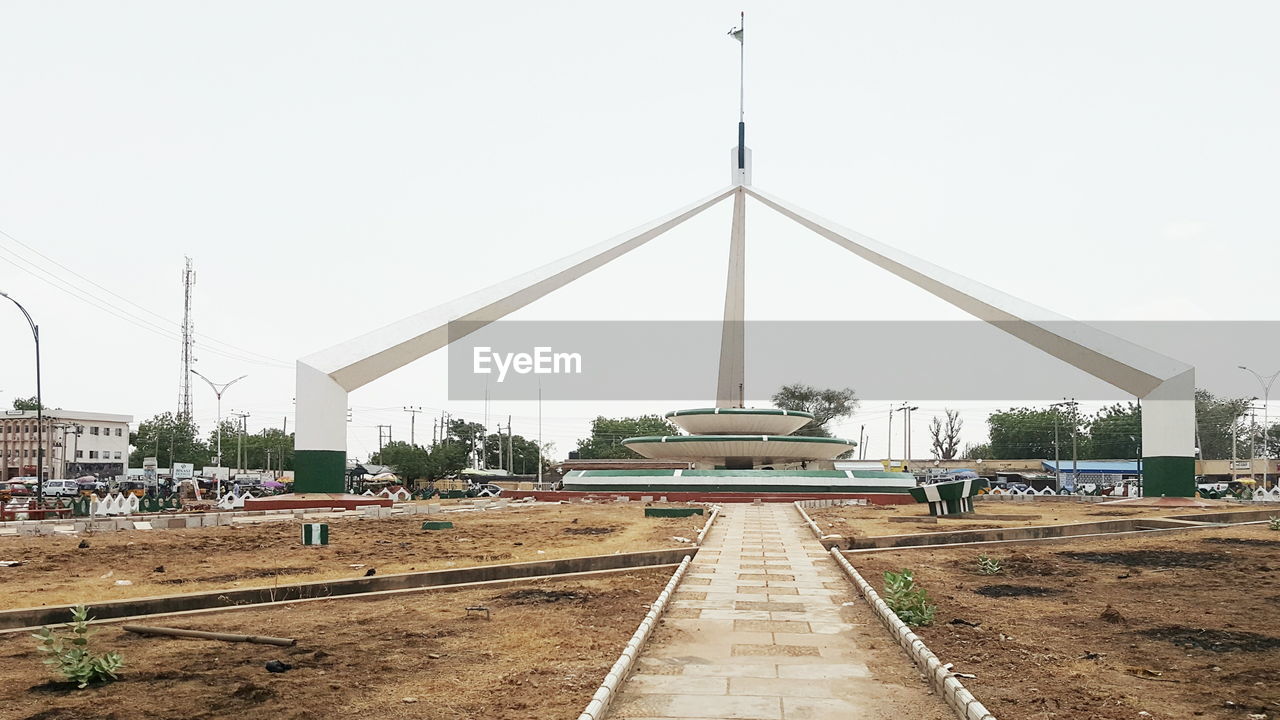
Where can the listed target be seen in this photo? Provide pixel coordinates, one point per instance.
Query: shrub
(988, 566)
(69, 651)
(908, 602)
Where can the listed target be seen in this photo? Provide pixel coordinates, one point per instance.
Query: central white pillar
(731, 388)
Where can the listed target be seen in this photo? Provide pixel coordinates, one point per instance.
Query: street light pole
(217, 391)
(35, 332)
(1266, 428)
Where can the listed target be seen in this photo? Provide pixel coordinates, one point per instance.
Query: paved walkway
(754, 632)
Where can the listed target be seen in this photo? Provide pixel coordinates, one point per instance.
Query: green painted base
(437, 525)
(320, 471)
(1168, 476)
(671, 512)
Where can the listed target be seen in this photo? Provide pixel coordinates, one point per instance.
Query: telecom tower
(188, 341)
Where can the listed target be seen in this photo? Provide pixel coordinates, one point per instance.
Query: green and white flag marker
(315, 534)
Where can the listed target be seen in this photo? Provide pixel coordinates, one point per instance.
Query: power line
(80, 293)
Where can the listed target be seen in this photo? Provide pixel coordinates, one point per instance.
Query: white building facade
(75, 444)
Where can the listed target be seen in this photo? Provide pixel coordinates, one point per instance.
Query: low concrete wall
(133, 607)
(1238, 516)
(702, 534)
(943, 681)
(599, 705)
(1037, 532)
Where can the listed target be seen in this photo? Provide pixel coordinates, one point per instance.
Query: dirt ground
(57, 570)
(873, 520)
(1177, 625)
(542, 654)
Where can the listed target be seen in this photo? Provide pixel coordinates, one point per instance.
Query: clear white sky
(334, 166)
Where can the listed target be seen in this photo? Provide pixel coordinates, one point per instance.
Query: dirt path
(58, 570)
(542, 654)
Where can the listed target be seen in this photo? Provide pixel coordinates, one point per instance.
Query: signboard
(220, 473)
(183, 471)
(1241, 464)
(149, 476)
(1104, 478)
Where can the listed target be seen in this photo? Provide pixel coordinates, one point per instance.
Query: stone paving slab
(755, 632)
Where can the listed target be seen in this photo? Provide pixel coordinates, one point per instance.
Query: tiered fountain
(743, 451)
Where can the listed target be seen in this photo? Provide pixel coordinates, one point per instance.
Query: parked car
(15, 489)
(92, 486)
(61, 488)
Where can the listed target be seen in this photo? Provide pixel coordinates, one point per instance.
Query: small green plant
(908, 602)
(988, 565)
(68, 649)
(1273, 523)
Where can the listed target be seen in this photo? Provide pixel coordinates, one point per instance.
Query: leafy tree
(946, 437)
(824, 405)
(26, 404)
(1114, 433)
(976, 451)
(607, 435)
(256, 448)
(410, 462)
(168, 438)
(523, 454)
(1026, 433)
(1215, 417)
(414, 462)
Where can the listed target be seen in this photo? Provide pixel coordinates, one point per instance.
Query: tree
(607, 435)
(1114, 433)
(976, 451)
(410, 462)
(1026, 433)
(523, 453)
(26, 404)
(1215, 417)
(946, 438)
(414, 462)
(168, 439)
(824, 405)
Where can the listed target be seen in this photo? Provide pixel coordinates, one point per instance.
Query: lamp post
(1266, 429)
(35, 332)
(217, 391)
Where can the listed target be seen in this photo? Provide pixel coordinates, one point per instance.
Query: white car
(61, 488)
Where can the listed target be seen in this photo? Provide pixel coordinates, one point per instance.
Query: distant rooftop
(60, 414)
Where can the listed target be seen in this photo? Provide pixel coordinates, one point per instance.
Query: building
(76, 443)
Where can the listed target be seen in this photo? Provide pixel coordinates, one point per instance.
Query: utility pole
(413, 417)
(511, 449)
(381, 442)
(889, 442)
(188, 343)
(906, 411)
(239, 440)
(862, 441)
(1075, 424)
(539, 435)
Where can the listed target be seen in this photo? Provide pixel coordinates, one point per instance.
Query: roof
(1096, 467)
(56, 414)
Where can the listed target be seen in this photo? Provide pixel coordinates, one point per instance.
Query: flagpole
(742, 66)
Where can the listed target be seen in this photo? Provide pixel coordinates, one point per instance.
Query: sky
(332, 167)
